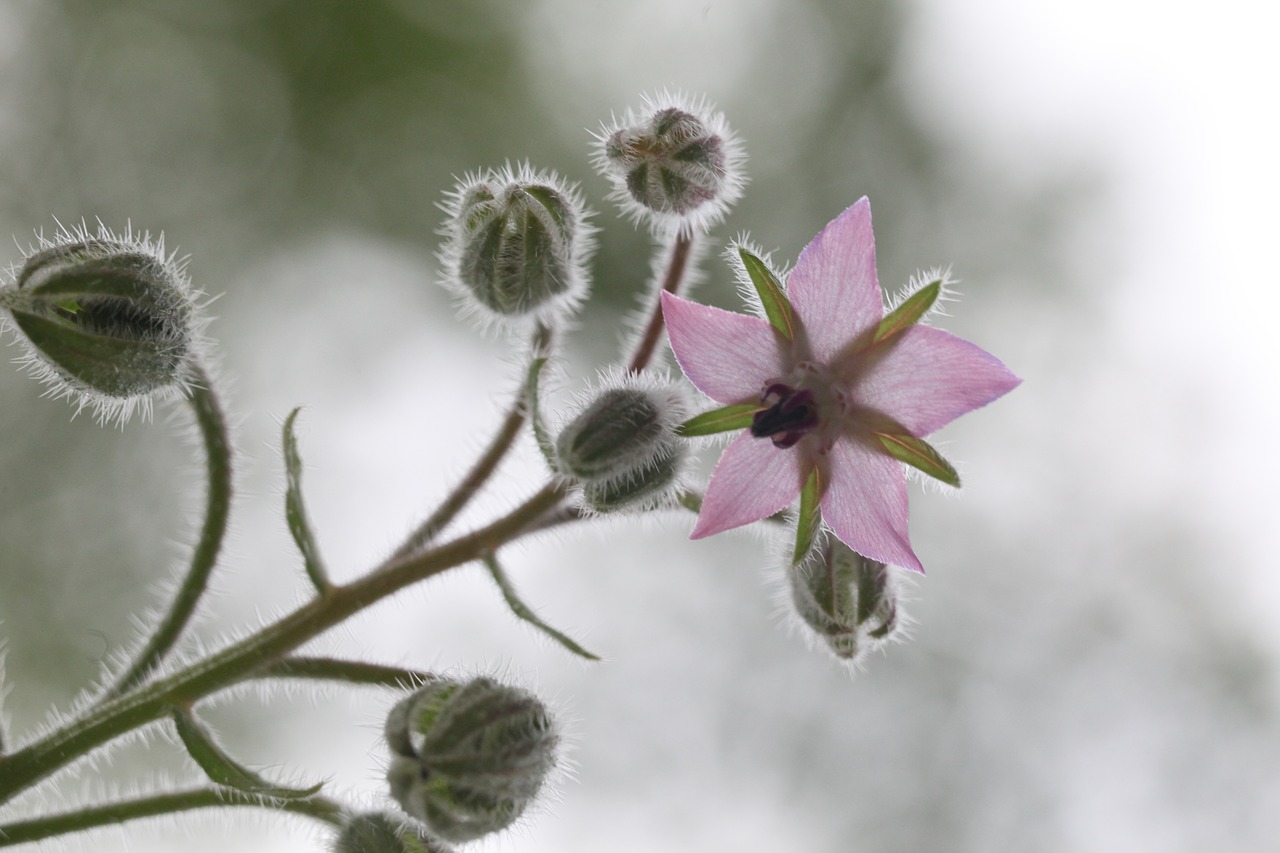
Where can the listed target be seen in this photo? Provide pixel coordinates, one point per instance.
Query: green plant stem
(213, 431)
(349, 671)
(22, 832)
(150, 702)
(676, 267)
(483, 468)
(470, 484)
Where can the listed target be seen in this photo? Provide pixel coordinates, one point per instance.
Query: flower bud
(108, 321)
(382, 833)
(516, 244)
(642, 489)
(848, 600)
(623, 428)
(468, 758)
(622, 447)
(675, 163)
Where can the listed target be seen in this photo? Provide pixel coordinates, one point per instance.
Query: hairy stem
(349, 671)
(150, 702)
(483, 468)
(213, 430)
(676, 267)
(22, 832)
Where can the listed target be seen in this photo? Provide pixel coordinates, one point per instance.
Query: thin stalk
(22, 832)
(671, 281)
(349, 671)
(213, 430)
(483, 468)
(149, 702)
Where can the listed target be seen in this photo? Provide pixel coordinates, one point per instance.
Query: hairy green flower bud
(674, 162)
(516, 244)
(641, 489)
(622, 447)
(846, 599)
(469, 757)
(622, 429)
(105, 320)
(381, 833)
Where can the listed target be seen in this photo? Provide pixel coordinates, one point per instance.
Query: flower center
(791, 414)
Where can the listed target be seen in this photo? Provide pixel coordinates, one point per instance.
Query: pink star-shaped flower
(828, 396)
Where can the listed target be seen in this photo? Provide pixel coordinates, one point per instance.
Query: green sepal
(919, 454)
(222, 769)
(725, 419)
(810, 516)
(691, 501)
(909, 312)
(523, 612)
(777, 308)
(295, 512)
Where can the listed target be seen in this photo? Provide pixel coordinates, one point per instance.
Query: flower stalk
(217, 447)
(681, 249)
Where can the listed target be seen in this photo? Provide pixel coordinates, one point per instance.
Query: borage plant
(831, 394)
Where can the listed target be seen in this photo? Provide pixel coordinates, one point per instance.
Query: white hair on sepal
(697, 218)
(920, 280)
(179, 319)
(745, 287)
(932, 485)
(669, 400)
(787, 614)
(669, 395)
(565, 723)
(552, 309)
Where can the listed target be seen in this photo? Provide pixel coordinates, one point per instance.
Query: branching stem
(149, 702)
(483, 468)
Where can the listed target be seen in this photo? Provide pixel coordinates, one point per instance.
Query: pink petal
(834, 288)
(752, 480)
(727, 356)
(865, 503)
(927, 378)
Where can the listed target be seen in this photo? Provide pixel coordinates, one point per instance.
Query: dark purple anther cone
(792, 414)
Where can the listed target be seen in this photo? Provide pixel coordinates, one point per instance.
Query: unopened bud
(641, 489)
(516, 244)
(623, 428)
(381, 833)
(674, 162)
(469, 757)
(846, 599)
(622, 448)
(108, 321)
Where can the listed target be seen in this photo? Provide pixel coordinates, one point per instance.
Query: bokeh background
(1095, 661)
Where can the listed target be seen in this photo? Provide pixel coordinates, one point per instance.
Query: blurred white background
(1094, 666)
